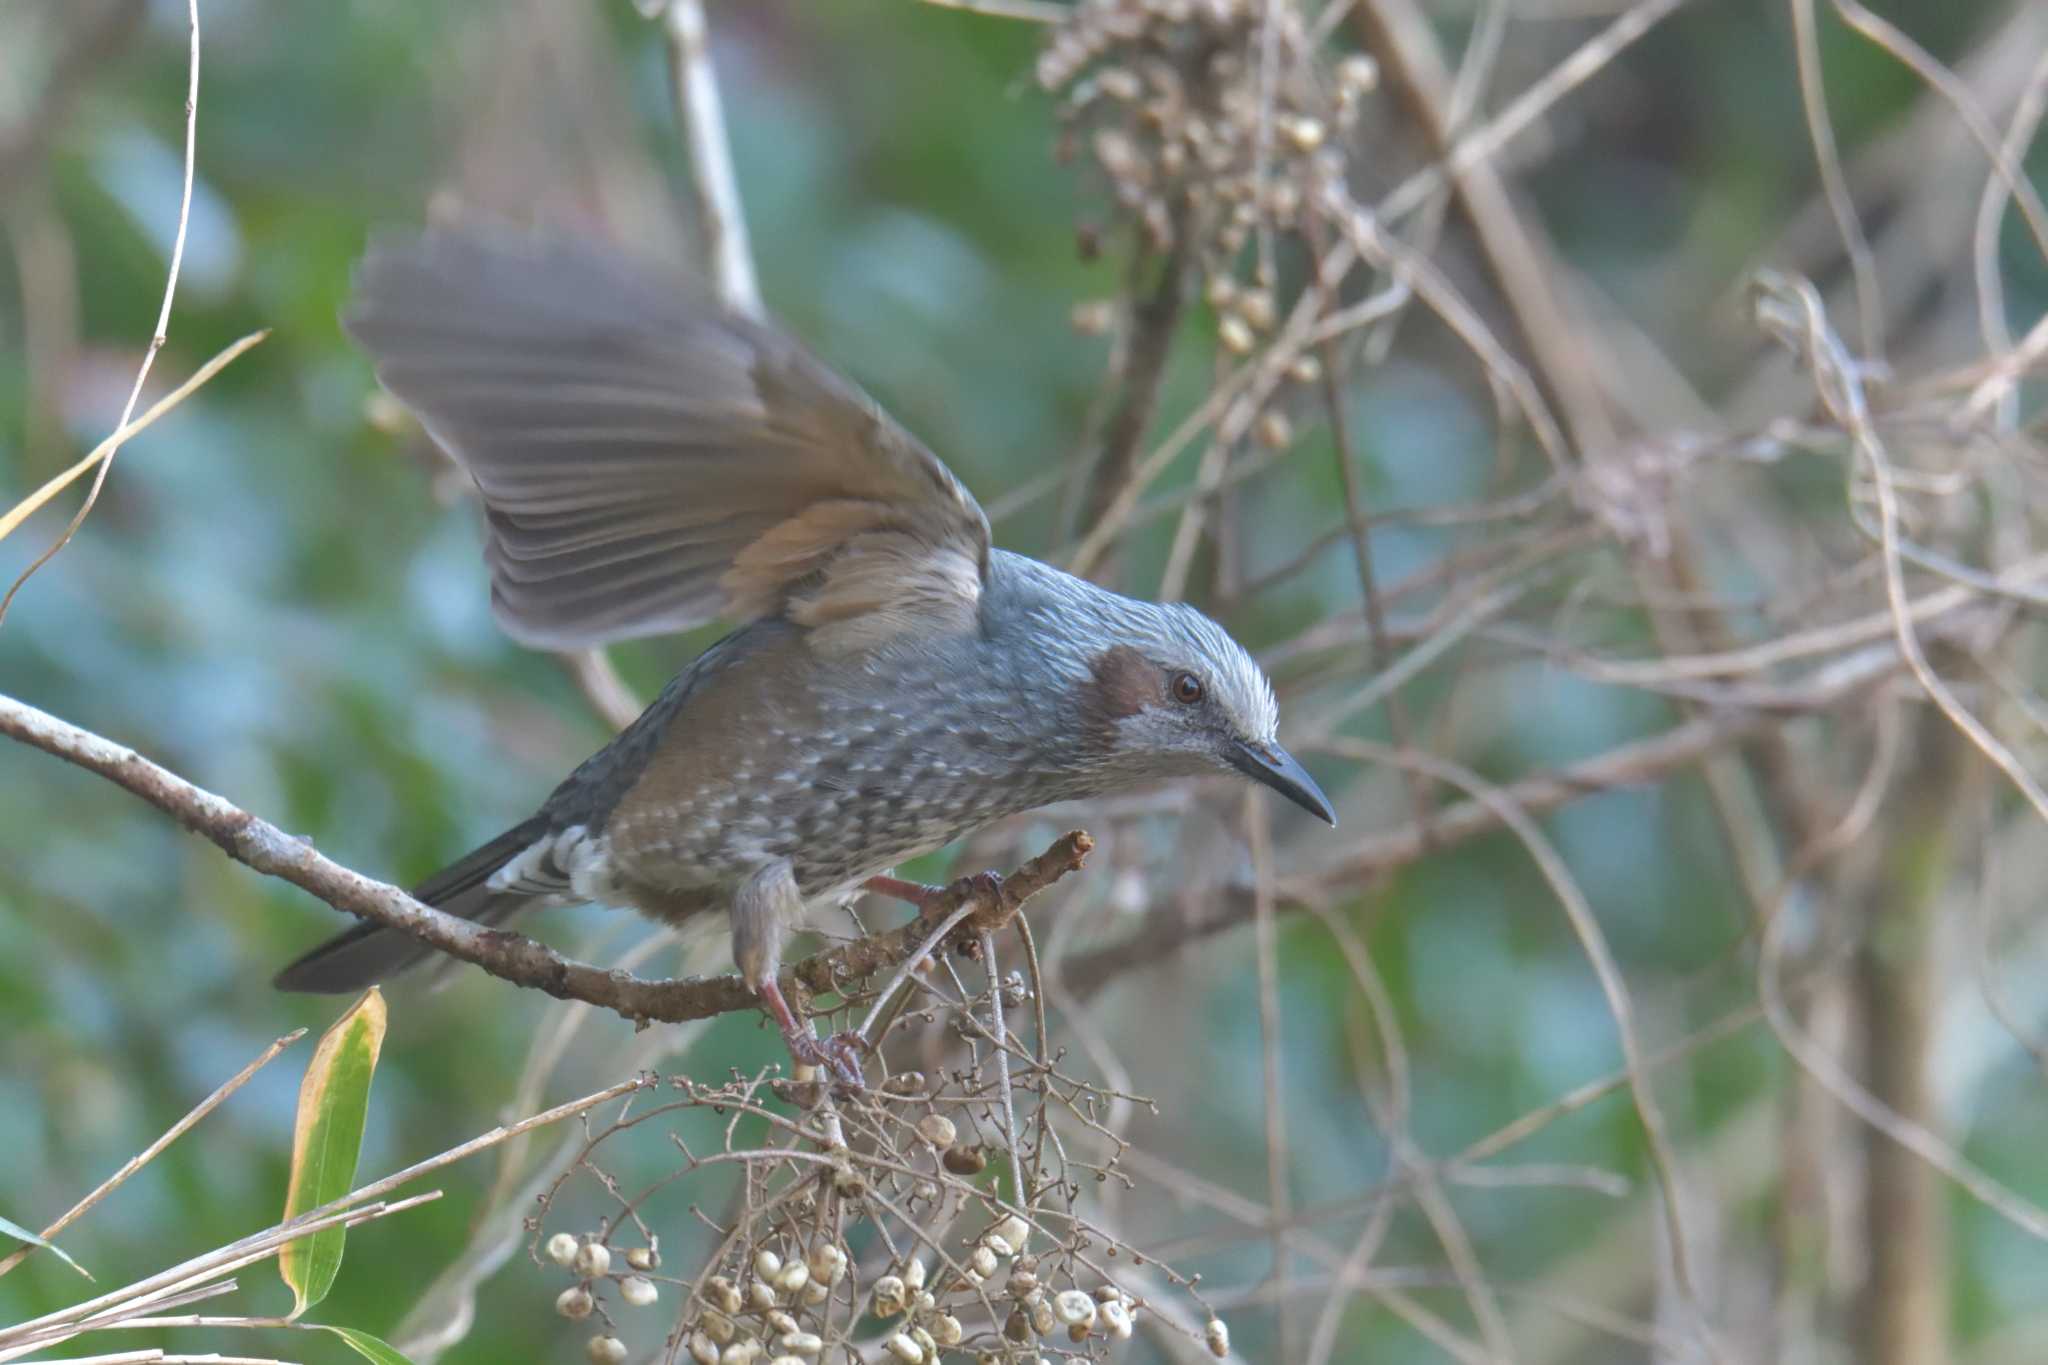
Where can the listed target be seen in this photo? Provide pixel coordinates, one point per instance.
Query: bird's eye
(1186, 688)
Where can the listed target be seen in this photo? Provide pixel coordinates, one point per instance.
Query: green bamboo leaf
(334, 1103)
(369, 1347)
(19, 1233)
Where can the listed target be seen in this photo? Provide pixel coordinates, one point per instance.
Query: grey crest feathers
(1184, 638)
(649, 462)
(1069, 623)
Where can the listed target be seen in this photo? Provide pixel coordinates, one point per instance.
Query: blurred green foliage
(270, 600)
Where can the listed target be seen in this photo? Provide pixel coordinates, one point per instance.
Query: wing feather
(649, 462)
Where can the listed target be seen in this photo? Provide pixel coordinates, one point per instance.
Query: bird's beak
(1272, 766)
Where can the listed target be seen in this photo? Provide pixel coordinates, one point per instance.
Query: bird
(650, 461)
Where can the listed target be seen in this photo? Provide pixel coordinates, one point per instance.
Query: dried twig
(1279, 1198)
(151, 1152)
(177, 1284)
(101, 453)
(163, 317)
(1030, 11)
(1584, 924)
(1140, 375)
(720, 213)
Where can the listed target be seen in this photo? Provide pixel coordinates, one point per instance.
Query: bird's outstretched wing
(648, 461)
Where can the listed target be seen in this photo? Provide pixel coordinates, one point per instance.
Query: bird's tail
(369, 952)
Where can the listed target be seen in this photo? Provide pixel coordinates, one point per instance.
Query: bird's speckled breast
(845, 767)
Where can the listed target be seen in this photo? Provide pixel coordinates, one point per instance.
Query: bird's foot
(994, 905)
(986, 887)
(837, 1056)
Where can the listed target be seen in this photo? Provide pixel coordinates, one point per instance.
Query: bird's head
(1175, 695)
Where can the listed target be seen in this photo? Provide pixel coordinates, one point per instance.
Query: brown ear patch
(1125, 682)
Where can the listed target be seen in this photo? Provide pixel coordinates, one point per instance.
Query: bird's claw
(838, 1056)
(992, 901)
(987, 887)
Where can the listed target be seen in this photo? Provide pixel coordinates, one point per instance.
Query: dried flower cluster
(1215, 127)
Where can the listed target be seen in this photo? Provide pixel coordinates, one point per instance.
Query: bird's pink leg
(761, 908)
(987, 885)
(918, 894)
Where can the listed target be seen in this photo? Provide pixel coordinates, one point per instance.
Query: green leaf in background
(334, 1102)
(21, 1234)
(369, 1347)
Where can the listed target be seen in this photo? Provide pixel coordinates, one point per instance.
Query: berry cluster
(889, 1244)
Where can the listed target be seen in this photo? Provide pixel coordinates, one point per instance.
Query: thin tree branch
(598, 679)
(1030, 11)
(722, 222)
(1400, 34)
(163, 317)
(258, 844)
(1279, 1156)
(719, 211)
(1146, 350)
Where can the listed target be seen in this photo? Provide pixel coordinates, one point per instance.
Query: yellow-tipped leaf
(334, 1102)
